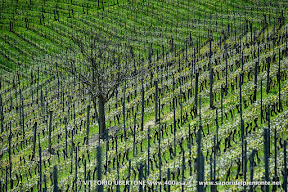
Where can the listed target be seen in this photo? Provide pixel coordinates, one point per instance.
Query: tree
(96, 65)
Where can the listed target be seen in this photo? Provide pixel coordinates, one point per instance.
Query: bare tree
(101, 66)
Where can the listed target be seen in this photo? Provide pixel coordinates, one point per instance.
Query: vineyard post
(241, 118)
(222, 94)
(168, 179)
(10, 160)
(174, 132)
(34, 139)
(183, 169)
(22, 114)
(226, 69)
(255, 77)
(49, 134)
(214, 171)
(189, 147)
(1, 113)
(45, 183)
(141, 177)
(217, 129)
(159, 155)
(159, 110)
(123, 111)
(210, 75)
(163, 53)
(211, 172)
(129, 174)
(285, 167)
(117, 164)
(181, 106)
(266, 157)
(269, 128)
(142, 104)
(175, 50)
(88, 122)
(71, 151)
(200, 157)
(145, 177)
(245, 163)
(37, 87)
(279, 83)
(173, 84)
(40, 164)
(107, 149)
(196, 90)
(151, 79)
(63, 97)
(11, 104)
(85, 178)
(58, 84)
(149, 54)
(179, 63)
(261, 101)
(275, 178)
(6, 178)
(89, 184)
(251, 170)
(55, 178)
(242, 75)
(186, 50)
(148, 161)
(268, 75)
(200, 163)
(156, 101)
(251, 30)
(194, 61)
(134, 134)
(66, 136)
(76, 165)
(286, 34)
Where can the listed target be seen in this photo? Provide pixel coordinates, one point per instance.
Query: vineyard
(186, 92)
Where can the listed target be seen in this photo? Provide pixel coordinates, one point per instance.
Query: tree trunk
(95, 108)
(102, 125)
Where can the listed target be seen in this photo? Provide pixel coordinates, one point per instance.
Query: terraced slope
(29, 95)
(33, 28)
(184, 83)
